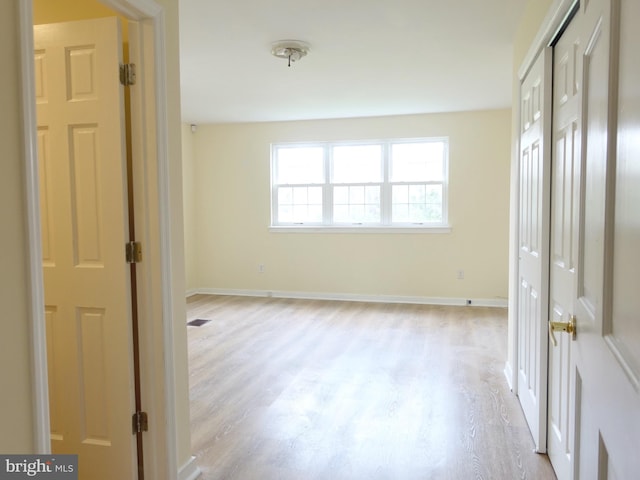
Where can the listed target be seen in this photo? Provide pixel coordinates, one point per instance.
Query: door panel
(595, 69)
(85, 226)
(608, 340)
(567, 91)
(533, 252)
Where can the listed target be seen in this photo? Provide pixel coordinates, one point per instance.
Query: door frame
(557, 16)
(155, 277)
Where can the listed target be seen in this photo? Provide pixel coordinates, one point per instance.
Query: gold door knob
(569, 327)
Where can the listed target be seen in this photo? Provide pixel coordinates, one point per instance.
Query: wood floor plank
(308, 389)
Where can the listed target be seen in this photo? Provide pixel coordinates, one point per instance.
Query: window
(391, 183)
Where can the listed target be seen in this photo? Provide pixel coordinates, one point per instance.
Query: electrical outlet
(460, 274)
(261, 268)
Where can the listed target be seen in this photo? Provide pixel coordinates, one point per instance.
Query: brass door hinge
(140, 422)
(133, 252)
(128, 74)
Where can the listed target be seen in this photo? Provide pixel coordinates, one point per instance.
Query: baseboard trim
(349, 297)
(190, 470)
(192, 292)
(508, 372)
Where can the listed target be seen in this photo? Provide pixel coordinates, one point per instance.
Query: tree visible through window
(384, 183)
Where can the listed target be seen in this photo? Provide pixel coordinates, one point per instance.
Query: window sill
(419, 229)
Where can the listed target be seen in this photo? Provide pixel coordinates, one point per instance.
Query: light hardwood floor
(306, 389)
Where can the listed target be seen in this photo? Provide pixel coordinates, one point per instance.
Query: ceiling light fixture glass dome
(291, 50)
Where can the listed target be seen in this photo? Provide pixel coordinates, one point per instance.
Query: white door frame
(160, 449)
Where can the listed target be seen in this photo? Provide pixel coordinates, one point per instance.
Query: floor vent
(198, 322)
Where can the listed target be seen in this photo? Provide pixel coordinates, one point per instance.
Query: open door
(607, 345)
(594, 376)
(84, 217)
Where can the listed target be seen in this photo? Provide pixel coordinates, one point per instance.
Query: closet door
(533, 249)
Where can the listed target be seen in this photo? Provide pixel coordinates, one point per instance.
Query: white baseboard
(192, 292)
(477, 302)
(190, 470)
(508, 372)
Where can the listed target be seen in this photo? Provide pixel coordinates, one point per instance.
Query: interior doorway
(153, 228)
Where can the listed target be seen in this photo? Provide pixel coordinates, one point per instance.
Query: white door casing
(533, 250)
(567, 95)
(84, 227)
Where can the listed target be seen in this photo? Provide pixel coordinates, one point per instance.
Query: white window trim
(383, 228)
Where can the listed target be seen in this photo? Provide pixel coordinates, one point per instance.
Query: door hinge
(128, 74)
(140, 422)
(133, 252)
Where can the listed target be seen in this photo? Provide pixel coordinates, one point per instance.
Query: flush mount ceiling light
(292, 50)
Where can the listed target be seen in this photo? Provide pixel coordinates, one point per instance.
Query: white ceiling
(367, 58)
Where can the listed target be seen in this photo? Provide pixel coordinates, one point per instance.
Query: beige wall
(55, 11)
(232, 208)
(16, 400)
(190, 221)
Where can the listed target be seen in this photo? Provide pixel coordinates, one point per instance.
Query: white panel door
(533, 251)
(567, 95)
(607, 347)
(84, 230)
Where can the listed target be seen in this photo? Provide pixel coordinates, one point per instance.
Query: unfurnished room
(320, 240)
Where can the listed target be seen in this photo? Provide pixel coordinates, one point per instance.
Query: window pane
(357, 164)
(314, 214)
(299, 165)
(299, 213)
(285, 213)
(300, 196)
(356, 204)
(416, 162)
(417, 212)
(372, 213)
(315, 195)
(356, 195)
(356, 213)
(434, 213)
(341, 213)
(300, 204)
(417, 194)
(341, 195)
(400, 212)
(372, 196)
(433, 203)
(400, 194)
(285, 196)
(416, 204)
